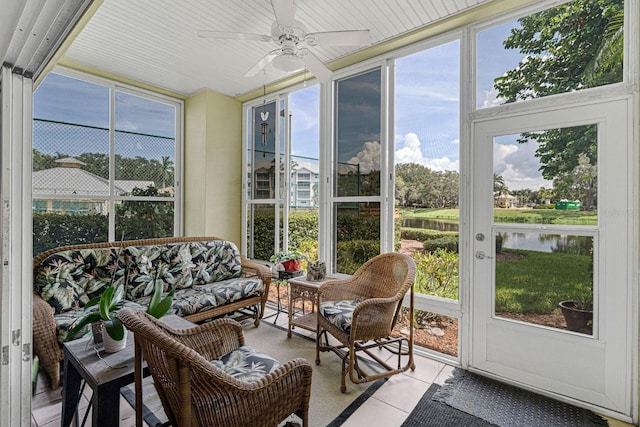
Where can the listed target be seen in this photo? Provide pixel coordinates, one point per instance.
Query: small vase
(111, 345)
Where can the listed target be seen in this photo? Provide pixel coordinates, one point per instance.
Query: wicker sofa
(210, 276)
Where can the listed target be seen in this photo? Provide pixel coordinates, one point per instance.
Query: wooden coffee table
(105, 373)
(301, 289)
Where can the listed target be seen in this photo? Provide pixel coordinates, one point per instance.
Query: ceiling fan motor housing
(279, 33)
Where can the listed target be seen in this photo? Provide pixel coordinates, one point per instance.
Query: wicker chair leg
(343, 376)
(318, 338)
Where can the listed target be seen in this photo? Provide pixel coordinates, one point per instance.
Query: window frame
(112, 198)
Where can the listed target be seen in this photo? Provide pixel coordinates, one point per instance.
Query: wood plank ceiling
(155, 41)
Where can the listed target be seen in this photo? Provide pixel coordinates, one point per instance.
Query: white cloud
(519, 166)
(368, 158)
(411, 152)
(491, 98)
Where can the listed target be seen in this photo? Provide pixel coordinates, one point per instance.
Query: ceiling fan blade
(315, 66)
(266, 60)
(285, 12)
(339, 38)
(229, 35)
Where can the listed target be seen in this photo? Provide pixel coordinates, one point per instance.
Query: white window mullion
(15, 281)
(112, 164)
(324, 170)
(387, 159)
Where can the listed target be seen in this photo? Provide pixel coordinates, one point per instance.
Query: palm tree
(499, 187)
(167, 169)
(611, 50)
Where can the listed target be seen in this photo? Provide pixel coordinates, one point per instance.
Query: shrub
(352, 254)
(303, 228)
(437, 273)
(449, 243)
(423, 234)
(51, 230)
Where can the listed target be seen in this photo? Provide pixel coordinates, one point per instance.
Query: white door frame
(535, 357)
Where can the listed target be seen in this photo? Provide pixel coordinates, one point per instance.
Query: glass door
(550, 234)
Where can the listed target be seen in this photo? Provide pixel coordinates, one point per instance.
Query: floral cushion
(169, 263)
(215, 261)
(67, 280)
(339, 313)
(65, 321)
(187, 301)
(205, 297)
(246, 364)
(232, 290)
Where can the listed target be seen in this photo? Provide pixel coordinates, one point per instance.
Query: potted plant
(290, 260)
(159, 306)
(108, 303)
(578, 313)
(106, 315)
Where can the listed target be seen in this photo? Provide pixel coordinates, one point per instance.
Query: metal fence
(72, 179)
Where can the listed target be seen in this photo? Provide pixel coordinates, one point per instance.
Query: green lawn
(533, 283)
(540, 280)
(527, 216)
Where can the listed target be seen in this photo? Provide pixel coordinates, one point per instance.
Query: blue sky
(69, 100)
(427, 112)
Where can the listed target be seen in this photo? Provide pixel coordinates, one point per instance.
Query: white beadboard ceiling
(155, 41)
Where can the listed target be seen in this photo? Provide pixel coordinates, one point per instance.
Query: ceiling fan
(291, 36)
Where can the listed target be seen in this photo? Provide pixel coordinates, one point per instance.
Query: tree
(167, 170)
(417, 185)
(580, 184)
(137, 219)
(42, 161)
(572, 46)
(96, 163)
(499, 187)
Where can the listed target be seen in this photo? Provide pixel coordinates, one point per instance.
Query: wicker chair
(194, 392)
(361, 312)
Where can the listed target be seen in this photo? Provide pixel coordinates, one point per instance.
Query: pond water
(559, 243)
(430, 224)
(531, 241)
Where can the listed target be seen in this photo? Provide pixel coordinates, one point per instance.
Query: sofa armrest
(45, 340)
(251, 268)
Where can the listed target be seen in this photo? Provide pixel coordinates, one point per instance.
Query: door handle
(482, 255)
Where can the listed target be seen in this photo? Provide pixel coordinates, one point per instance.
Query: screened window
(356, 170)
(102, 183)
(283, 214)
(573, 46)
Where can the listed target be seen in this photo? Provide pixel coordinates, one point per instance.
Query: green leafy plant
(284, 256)
(159, 306)
(583, 301)
(108, 303)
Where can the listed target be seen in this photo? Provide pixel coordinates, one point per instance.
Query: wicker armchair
(195, 392)
(361, 312)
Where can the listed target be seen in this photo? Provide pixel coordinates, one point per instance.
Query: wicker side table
(301, 289)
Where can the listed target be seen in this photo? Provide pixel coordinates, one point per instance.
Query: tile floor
(388, 406)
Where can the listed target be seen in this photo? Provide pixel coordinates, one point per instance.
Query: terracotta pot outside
(291, 265)
(577, 320)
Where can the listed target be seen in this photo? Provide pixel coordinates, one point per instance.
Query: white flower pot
(111, 345)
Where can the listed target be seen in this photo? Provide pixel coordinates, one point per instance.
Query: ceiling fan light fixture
(288, 63)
